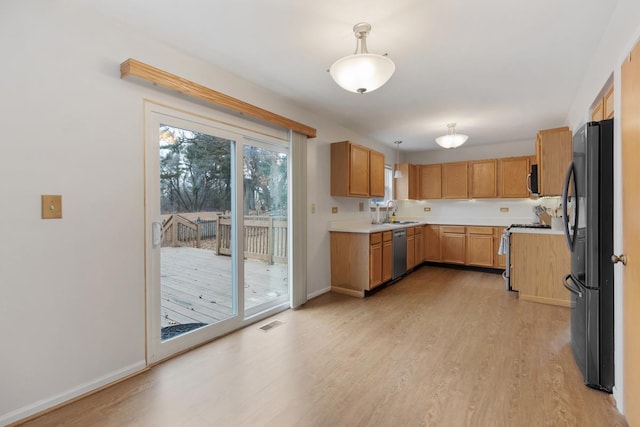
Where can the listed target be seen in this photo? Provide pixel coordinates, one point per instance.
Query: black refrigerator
(587, 203)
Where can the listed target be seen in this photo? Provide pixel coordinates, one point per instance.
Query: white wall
(623, 31)
(472, 152)
(72, 301)
(72, 290)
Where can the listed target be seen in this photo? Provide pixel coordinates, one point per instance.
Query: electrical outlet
(361, 206)
(504, 209)
(427, 209)
(51, 206)
(313, 208)
(334, 210)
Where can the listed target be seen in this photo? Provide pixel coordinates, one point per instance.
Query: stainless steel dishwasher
(399, 253)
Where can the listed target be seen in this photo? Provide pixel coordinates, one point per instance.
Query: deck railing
(265, 238)
(179, 231)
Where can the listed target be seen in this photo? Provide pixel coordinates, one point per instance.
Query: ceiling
(500, 69)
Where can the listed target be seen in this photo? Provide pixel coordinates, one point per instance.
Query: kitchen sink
(403, 222)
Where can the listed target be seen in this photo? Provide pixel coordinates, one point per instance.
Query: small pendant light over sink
(451, 139)
(363, 71)
(398, 172)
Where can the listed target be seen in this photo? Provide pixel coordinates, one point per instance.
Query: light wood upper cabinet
(512, 177)
(553, 154)
(454, 180)
(406, 187)
(607, 102)
(356, 171)
(376, 174)
(430, 182)
(483, 179)
(604, 107)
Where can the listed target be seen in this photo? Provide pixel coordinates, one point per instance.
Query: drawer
(480, 230)
(387, 236)
(375, 238)
(417, 230)
(452, 229)
(409, 231)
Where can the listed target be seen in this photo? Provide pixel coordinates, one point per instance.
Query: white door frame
(155, 115)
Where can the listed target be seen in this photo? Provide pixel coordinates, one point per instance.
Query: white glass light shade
(451, 141)
(362, 72)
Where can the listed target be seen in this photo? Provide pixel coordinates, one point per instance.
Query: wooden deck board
(192, 278)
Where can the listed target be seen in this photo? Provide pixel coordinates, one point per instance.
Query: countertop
(367, 228)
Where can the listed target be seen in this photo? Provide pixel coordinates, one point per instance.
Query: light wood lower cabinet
(480, 246)
(431, 241)
(360, 261)
(387, 256)
(419, 256)
(375, 260)
(453, 244)
(499, 261)
(411, 248)
(539, 262)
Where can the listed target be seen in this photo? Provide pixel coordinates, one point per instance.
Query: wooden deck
(196, 285)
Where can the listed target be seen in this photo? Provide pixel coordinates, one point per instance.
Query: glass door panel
(265, 197)
(196, 268)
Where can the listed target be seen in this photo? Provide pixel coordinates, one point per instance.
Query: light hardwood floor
(442, 347)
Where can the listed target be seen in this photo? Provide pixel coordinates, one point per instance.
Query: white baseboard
(318, 293)
(34, 408)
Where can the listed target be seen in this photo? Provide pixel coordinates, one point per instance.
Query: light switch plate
(427, 209)
(51, 206)
(361, 207)
(504, 209)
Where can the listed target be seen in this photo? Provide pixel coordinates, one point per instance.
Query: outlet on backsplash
(504, 209)
(426, 209)
(334, 210)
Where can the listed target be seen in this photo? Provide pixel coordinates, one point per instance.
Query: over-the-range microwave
(532, 180)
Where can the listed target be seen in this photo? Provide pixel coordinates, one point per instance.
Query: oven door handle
(570, 287)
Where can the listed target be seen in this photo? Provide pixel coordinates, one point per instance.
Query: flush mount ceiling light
(451, 139)
(363, 71)
(397, 173)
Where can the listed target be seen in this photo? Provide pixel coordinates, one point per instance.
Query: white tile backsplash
(476, 211)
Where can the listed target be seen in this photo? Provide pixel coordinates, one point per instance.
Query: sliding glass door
(217, 244)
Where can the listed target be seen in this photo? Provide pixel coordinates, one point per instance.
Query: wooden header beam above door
(135, 68)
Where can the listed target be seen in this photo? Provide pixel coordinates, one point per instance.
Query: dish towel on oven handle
(504, 241)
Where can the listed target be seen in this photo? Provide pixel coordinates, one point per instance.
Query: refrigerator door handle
(528, 182)
(565, 198)
(570, 287)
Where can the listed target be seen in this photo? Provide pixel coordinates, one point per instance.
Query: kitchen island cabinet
(539, 263)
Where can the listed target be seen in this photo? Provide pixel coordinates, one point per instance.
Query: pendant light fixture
(397, 173)
(363, 71)
(451, 139)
